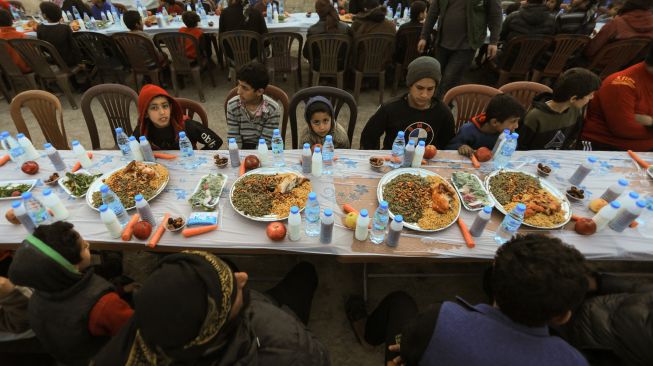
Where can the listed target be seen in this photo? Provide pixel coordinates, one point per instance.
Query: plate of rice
(267, 194)
(426, 201)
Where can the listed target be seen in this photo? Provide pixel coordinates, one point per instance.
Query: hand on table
(644, 120)
(466, 150)
(397, 361)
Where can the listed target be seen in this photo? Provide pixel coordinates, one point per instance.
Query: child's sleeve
(528, 131)
(233, 125)
(462, 138)
(108, 315)
(270, 124)
(204, 135)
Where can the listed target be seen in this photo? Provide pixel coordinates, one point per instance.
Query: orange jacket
(12, 33)
(191, 52)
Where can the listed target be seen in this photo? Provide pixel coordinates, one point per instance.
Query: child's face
(551, 4)
(580, 103)
(247, 94)
(85, 254)
(509, 124)
(321, 123)
(159, 111)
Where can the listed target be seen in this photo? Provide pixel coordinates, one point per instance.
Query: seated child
(73, 311)
(160, 118)
(502, 113)
(58, 34)
(320, 121)
(170, 6)
(555, 121)
(134, 23)
(191, 19)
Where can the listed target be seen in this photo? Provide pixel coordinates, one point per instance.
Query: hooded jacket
(167, 138)
(11, 33)
(372, 21)
(576, 22)
(546, 129)
(531, 19)
(340, 139)
(470, 134)
(633, 24)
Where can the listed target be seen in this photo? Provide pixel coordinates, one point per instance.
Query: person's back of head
(575, 83)
(416, 9)
(255, 74)
(51, 12)
(631, 5)
(503, 107)
(132, 20)
(190, 19)
(326, 12)
(538, 280)
(5, 18)
(61, 237)
(370, 4)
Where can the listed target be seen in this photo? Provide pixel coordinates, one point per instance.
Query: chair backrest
(238, 46)
(373, 51)
(524, 91)
(330, 50)
(565, 46)
(115, 100)
(281, 44)
(7, 65)
(521, 51)
(138, 49)
(37, 54)
(190, 108)
(175, 42)
(275, 93)
(408, 37)
(98, 48)
(338, 98)
(47, 110)
(613, 56)
(468, 101)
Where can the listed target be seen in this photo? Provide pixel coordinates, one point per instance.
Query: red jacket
(610, 117)
(108, 315)
(12, 33)
(190, 49)
(633, 24)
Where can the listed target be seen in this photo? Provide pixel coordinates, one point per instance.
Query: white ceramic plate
(63, 179)
(31, 182)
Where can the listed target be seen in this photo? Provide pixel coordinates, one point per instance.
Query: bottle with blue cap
(16, 152)
(615, 190)
(480, 222)
(81, 155)
(380, 223)
(144, 209)
(55, 157)
(185, 146)
(52, 201)
(398, 147)
(262, 151)
(23, 216)
(307, 158)
(111, 222)
(146, 149)
(419, 155)
(27, 145)
(316, 162)
(135, 148)
(294, 224)
(277, 148)
(582, 171)
(234, 153)
(507, 150)
(123, 142)
(629, 212)
(394, 232)
(111, 199)
(409, 153)
(606, 214)
(645, 220)
(510, 224)
(312, 215)
(35, 209)
(362, 224)
(326, 226)
(268, 12)
(502, 137)
(328, 151)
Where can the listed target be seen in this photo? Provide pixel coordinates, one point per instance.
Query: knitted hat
(421, 68)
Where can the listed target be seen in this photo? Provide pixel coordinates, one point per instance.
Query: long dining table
(353, 182)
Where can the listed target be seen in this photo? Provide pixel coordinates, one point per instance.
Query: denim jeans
(454, 63)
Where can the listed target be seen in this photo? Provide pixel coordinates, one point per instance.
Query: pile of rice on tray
(260, 195)
(136, 178)
(430, 202)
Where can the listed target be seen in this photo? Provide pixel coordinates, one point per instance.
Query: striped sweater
(248, 130)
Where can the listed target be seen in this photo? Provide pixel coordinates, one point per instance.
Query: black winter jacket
(531, 19)
(576, 22)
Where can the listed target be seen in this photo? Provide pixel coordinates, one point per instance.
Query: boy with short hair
(134, 23)
(502, 113)
(555, 120)
(252, 115)
(191, 19)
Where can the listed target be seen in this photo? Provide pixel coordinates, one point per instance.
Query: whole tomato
(430, 151)
(276, 231)
(30, 167)
(252, 162)
(342, 12)
(142, 230)
(585, 226)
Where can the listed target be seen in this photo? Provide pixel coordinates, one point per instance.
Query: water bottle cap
(312, 196)
(487, 209)
(138, 197)
(514, 135)
(623, 182)
(276, 132)
(383, 205)
(317, 150)
(633, 195)
(26, 195)
(261, 141)
(47, 145)
(20, 135)
(400, 134)
(521, 207)
(506, 131)
(641, 203)
(363, 213)
(233, 140)
(118, 130)
(16, 204)
(4, 134)
(615, 204)
(328, 212)
(104, 208)
(328, 138)
(47, 191)
(132, 138)
(411, 142)
(182, 134)
(307, 146)
(592, 159)
(294, 210)
(104, 188)
(75, 142)
(399, 218)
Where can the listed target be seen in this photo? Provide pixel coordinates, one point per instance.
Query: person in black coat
(532, 18)
(59, 35)
(579, 19)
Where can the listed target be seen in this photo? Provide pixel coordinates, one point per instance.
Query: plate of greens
(14, 188)
(208, 191)
(77, 184)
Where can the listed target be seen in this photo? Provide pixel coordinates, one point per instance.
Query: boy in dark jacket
(533, 18)
(555, 121)
(59, 35)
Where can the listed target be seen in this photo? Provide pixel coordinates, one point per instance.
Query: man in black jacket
(531, 19)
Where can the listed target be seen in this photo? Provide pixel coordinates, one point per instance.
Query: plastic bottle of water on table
(629, 213)
(234, 153)
(316, 164)
(312, 213)
(52, 201)
(307, 159)
(35, 209)
(81, 155)
(144, 209)
(262, 151)
(123, 142)
(294, 224)
(16, 152)
(499, 141)
(55, 157)
(582, 171)
(27, 145)
(328, 150)
(146, 149)
(326, 226)
(398, 147)
(362, 224)
(379, 223)
(409, 153)
(480, 222)
(394, 233)
(186, 148)
(110, 199)
(268, 13)
(606, 214)
(23, 216)
(277, 148)
(110, 221)
(5, 144)
(504, 154)
(135, 148)
(645, 226)
(419, 155)
(615, 190)
(510, 224)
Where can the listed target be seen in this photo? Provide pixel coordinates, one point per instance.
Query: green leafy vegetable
(78, 184)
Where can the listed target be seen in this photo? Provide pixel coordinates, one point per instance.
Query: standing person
(462, 29)
(419, 113)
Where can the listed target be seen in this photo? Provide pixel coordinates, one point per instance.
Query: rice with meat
(541, 219)
(254, 195)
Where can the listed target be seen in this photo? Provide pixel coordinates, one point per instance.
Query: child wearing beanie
(321, 122)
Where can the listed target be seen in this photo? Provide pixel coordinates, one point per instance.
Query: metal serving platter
(566, 206)
(5, 183)
(263, 171)
(215, 201)
(490, 201)
(414, 171)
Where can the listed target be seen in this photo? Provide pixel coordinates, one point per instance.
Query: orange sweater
(11, 33)
(191, 52)
(108, 315)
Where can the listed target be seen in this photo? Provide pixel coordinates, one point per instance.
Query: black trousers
(296, 290)
(387, 320)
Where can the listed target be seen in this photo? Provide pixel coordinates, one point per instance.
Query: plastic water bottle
(409, 153)
(389, 14)
(269, 12)
(419, 154)
(326, 226)
(380, 223)
(335, 6)
(362, 223)
(398, 12)
(52, 201)
(510, 224)
(144, 209)
(164, 12)
(26, 144)
(582, 171)
(280, 6)
(294, 224)
(110, 199)
(398, 147)
(630, 211)
(645, 226)
(76, 13)
(327, 155)
(262, 151)
(234, 154)
(316, 162)
(275, 15)
(481, 221)
(606, 214)
(103, 16)
(407, 14)
(22, 216)
(502, 137)
(55, 157)
(16, 152)
(81, 155)
(35, 209)
(505, 153)
(5, 144)
(123, 142)
(159, 20)
(307, 159)
(110, 221)
(200, 11)
(135, 149)
(394, 233)
(312, 213)
(146, 149)
(615, 190)
(277, 148)
(185, 146)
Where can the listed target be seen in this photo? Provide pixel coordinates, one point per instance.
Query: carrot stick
(188, 232)
(424, 162)
(634, 224)
(638, 160)
(4, 159)
(242, 168)
(475, 162)
(78, 165)
(159, 232)
(160, 155)
(468, 237)
(349, 208)
(129, 228)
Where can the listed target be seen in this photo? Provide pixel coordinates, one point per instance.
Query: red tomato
(429, 152)
(142, 230)
(30, 167)
(276, 231)
(252, 162)
(15, 194)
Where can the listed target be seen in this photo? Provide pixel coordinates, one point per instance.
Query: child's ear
(494, 122)
(574, 99)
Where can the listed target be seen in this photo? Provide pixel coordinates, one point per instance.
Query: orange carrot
(188, 232)
(159, 232)
(475, 162)
(160, 155)
(638, 160)
(424, 162)
(387, 158)
(348, 208)
(4, 159)
(468, 237)
(242, 168)
(634, 224)
(78, 165)
(129, 228)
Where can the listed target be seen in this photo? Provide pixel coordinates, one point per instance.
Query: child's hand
(466, 150)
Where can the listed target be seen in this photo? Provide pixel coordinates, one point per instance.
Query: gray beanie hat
(421, 68)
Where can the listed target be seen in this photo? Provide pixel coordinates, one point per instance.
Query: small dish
(377, 163)
(575, 195)
(175, 224)
(220, 161)
(53, 179)
(543, 170)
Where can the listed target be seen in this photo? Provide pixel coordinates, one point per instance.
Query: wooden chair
(468, 101)
(372, 53)
(46, 62)
(275, 93)
(519, 55)
(190, 108)
(407, 38)
(102, 53)
(614, 56)
(141, 55)
(338, 98)
(239, 48)
(282, 60)
(181, 64)
(525, 91)
(565, 46)
(116, 100)
(328, 56)
(17, 80)
(47, 111)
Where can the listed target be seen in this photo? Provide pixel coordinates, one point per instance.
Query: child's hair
(576, 82)
(536, 278)
(131, 18)
(169, 2)
(5, 18)
(61, 237)
(255, 74)
(502, 107)
(416, 8)
(50, 11)
(190, 19)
